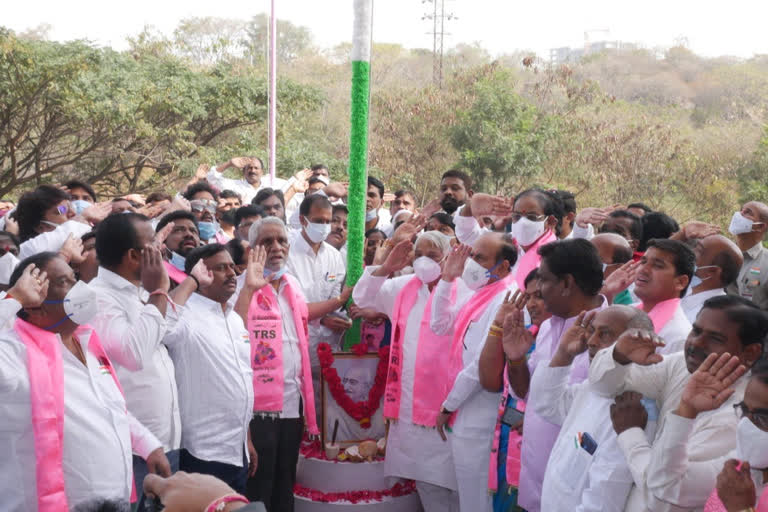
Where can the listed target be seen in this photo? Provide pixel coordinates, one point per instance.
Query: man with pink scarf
(418, 361)
(471, 408)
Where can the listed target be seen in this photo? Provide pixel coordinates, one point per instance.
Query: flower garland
(398, 490)
(362, 412)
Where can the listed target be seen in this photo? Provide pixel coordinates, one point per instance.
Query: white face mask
(317, 232)
(752, 444)
(527, 231)
(79, 304)
(426, 269)
(740, 224)
(475, 275)
(371, 214)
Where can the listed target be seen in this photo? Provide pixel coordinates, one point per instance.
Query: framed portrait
(357, 374)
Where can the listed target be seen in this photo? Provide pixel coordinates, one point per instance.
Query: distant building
(564, 55)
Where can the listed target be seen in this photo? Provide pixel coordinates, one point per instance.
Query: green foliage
(501, 139)
(121, 122)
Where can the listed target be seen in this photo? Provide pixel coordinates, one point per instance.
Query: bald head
(609, 323)
(723, 259)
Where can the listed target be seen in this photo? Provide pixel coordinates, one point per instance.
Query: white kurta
(660, 483)
(413, 451)
(476, 409)
(98, 433)
(692, 304)
(575, 480)
(675, 332)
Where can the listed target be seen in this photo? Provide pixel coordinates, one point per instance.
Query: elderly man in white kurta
(486, 269)
(413, 451)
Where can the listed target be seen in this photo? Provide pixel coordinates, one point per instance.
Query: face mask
(317, 232)
(274, 275)
(696, 280)
(79, 304)
(371, 214)
(7, 264)
(178, 261)
(740, 224)
(751, 443)
(207, 230)
(475, 275)
(426, 269)
(527, 231)
(78, 205)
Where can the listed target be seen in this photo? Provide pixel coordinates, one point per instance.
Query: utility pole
(438, 16)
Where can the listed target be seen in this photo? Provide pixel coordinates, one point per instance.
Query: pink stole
(46, 393)
(662, 313)
(515, 440)
(265, 329)
(471, 311)
(176, 275)
(531, 258)
(431, 359)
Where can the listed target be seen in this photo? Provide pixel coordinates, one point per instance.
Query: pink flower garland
(360, 411)
(398, 490)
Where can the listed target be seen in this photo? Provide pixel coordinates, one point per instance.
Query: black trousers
(277, 442)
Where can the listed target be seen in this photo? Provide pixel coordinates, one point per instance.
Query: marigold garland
(362, 412)
(398, 490)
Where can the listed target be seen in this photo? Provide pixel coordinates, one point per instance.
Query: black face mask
(449, 204)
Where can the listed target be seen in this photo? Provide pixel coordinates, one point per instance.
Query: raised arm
(675, 479)
(443, 316)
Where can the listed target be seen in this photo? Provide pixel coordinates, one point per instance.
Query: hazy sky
(712, 28)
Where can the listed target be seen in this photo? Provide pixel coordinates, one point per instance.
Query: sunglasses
(63, 209)
(199, 205)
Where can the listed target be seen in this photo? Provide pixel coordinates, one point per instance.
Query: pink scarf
(471, 311)
(431, 359)
(265, 329)
(515, 443)
(46, 393)
(531, 258)
(176, 275)
(662, 313)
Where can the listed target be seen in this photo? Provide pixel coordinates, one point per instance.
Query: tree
(120, 122)
(502, 139)
(292, 39)
(209, 41)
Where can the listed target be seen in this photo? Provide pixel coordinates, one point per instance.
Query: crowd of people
(542, 357)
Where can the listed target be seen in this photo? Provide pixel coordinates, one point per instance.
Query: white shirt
(131, 333)
(98, 433)
(413, 451)
(246, 191)
(675, 332)
(693, 303)
(8, 309)
(211, 351)
(53, 240)
(668, 485)
(575, 480)
(477, 408)
(587, 233)
(321, 277)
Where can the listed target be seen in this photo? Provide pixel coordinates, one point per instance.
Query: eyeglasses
(758, 416)
(199, 205)
(63, 209)
(530, 216)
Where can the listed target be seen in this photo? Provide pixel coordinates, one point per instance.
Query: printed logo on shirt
(263, 353)
(264, 302)
(331, 278)
(754, 270)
